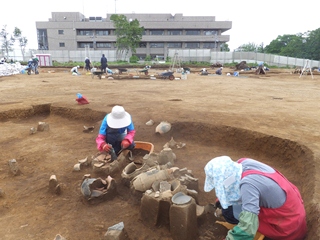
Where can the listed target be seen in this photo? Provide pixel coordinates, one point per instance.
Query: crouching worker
(75, 71)
(219, 71)
(257, 198)
(204, 71)
(116, 131)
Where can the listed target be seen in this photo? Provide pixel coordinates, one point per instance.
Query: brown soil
(273, 118)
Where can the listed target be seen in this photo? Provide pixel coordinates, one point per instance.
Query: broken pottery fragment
(84, 162)
(87, 129)
(76, 167)
(163, 127)
(150, 122)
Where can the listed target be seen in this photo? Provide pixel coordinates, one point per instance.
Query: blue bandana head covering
(224, 175)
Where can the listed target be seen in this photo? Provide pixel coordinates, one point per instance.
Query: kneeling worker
(74, 70)
(256, 197)
(116, 131)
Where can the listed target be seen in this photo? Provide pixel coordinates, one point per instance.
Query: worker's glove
(107, 147)
(125, 143)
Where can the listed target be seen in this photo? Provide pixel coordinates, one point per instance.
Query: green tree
(312, 44)
(224, 47)
(294, 47)
(22, 40)
(7, 41)
(250, 47)
(281, 42)
(129, 34)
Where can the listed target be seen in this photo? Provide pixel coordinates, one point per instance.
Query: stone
(59, 237)
(57, 189)
(116, 232)
(150, 122)
(76, 167)
(33, 130)
(14, 167)
(53, 182)
(42, 126)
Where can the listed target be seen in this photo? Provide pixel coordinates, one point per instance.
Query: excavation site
(55, 184)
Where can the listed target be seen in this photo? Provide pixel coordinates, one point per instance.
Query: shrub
(147, 58)
(134, 59)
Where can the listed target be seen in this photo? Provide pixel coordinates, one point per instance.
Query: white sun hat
(118, 118)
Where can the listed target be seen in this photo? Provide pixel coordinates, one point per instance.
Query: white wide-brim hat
(118, 118)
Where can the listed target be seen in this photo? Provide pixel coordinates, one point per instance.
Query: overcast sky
(252, 21)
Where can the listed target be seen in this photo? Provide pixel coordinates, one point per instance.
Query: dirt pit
(29, 210)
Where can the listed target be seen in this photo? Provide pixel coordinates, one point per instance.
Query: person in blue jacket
(116, 131)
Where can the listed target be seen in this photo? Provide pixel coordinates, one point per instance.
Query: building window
(174, 32)
(192, 32)
(85, 32)
(156, 45)
(102, 32)
(42, 39)
(156, 32)
(103, 45)
(61, 44)
(193, 45)
(142, 45)
(209, 45)
(174, 45)
(210, 32)
(84, 44)
(61, 32)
